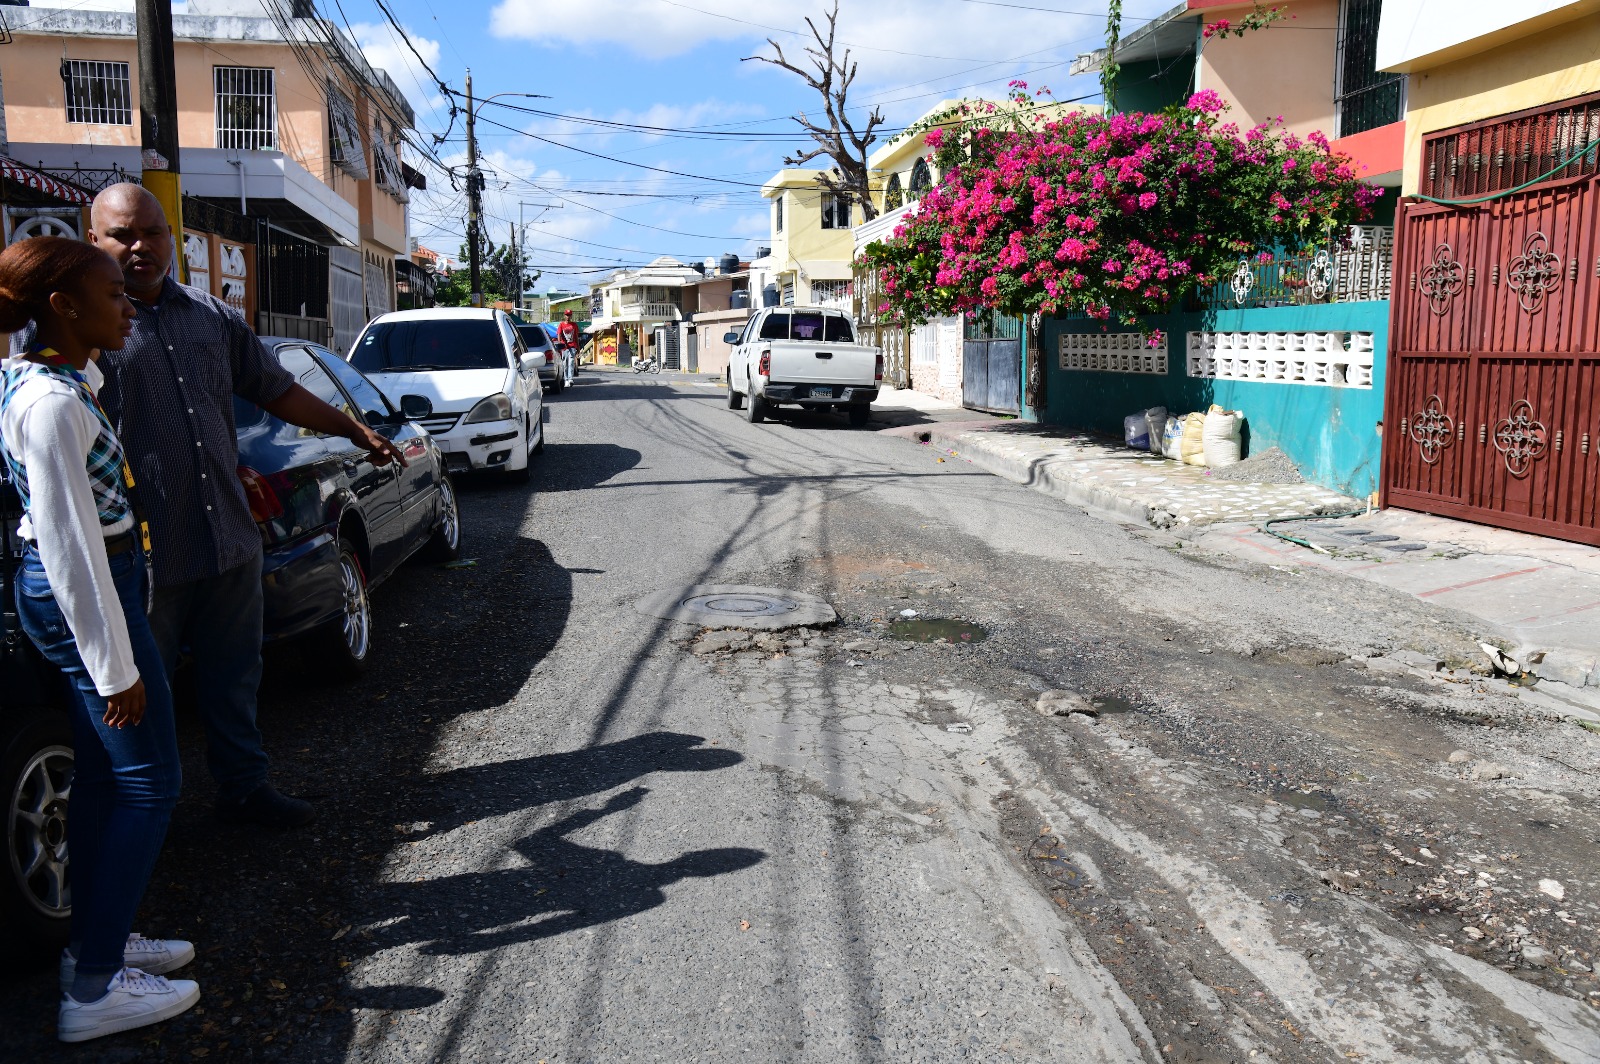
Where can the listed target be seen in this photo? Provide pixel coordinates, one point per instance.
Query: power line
(614, 159)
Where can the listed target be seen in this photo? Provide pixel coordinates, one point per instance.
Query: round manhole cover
(735, 606)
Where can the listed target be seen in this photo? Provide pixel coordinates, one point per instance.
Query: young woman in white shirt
(81, 594)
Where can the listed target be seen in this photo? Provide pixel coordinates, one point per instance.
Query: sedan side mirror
(730, 337)
(415, 407)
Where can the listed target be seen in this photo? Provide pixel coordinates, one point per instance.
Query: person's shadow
(564, 886)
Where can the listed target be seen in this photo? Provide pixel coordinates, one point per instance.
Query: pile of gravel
(1271, 466)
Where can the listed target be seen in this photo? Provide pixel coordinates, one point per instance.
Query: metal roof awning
(40, 181)
(1168, 35)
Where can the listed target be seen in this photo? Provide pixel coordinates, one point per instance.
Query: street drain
(936, 629)
(738, 606)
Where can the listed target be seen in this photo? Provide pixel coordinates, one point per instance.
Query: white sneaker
(152, 956)
(134, 999)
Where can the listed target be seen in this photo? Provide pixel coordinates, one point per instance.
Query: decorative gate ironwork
(1493, 404)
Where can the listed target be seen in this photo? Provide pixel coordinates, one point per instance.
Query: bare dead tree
(839, 139)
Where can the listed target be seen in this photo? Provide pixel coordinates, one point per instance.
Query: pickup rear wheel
(735, 400)
(859, 416)
(755, 410)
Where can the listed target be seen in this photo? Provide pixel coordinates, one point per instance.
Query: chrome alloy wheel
(36, 830)
(449, 515)
(357, 624)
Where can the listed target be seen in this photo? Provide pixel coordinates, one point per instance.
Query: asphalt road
(554, 829)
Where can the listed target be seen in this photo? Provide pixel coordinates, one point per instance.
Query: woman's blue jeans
(125, 780)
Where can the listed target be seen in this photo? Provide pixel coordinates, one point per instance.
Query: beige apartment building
(296, 197)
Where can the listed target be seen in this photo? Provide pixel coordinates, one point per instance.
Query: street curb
(1573, 669)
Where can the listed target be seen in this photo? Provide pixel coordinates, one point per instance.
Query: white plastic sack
(1221, 437)
(1155, 420)
(1172, 439)
(1136, 432)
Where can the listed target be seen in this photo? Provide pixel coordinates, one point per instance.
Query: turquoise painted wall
(1149, 86)
(1330, 432)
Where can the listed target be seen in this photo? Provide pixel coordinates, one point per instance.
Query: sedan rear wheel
(346, 641)
(36, 782)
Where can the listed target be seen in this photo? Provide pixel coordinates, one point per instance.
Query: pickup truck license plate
(822, 391)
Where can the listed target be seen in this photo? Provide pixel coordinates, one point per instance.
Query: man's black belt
(121, 543)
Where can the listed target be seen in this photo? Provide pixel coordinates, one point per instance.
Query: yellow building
(279, 118)
(809, 261)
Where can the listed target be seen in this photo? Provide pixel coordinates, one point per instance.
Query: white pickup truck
(802, 356)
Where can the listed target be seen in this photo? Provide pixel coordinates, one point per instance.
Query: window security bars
(97, 92)
(344, 142)
(387, 171)
(835, 211)
(247, 108)
(1506, 152)
(1366, 98)
(831, 294)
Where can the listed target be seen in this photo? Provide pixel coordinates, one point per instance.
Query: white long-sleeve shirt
(49, 429)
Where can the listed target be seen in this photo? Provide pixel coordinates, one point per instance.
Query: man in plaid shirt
(169, 393)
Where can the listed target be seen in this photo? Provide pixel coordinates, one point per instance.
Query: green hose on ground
(1297, 541)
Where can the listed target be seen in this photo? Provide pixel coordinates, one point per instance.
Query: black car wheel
(755, 410)
(346, 641)
(36, 778)
(859, 415)
(735, 400)
(445, 544)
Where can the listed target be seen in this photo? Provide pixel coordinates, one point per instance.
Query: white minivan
(474, 370)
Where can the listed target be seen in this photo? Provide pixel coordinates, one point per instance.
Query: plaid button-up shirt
(169, 392)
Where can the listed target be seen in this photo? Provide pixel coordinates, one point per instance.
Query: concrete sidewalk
(1538, 598)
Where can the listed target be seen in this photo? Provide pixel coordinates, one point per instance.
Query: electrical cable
(1587, 148)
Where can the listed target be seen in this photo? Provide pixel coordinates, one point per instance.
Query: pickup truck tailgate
(802, 362)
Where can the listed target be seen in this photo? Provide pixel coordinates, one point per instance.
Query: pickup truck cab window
(807, 325)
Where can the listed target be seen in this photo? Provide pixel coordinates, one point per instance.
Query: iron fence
(1505, 152)
(1357, 272)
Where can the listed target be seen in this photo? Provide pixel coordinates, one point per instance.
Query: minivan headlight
(494, 408)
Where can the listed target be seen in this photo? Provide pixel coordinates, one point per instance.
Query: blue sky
(677, 63)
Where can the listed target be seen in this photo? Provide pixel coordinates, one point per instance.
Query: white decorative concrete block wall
(1337, 359)
(1112, 353)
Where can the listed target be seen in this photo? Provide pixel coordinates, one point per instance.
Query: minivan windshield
(430, 343)
(807, 325)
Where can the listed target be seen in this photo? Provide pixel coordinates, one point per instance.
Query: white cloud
(383, 49)
(895, 41)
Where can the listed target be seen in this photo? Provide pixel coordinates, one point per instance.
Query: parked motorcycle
(647, 365)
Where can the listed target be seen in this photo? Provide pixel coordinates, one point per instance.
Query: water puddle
(1321, 801)
(936, 629)
(1112, 704)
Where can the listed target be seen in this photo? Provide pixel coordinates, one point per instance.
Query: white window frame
(259, 84)
(109, 80)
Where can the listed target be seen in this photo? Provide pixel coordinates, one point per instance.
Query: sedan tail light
(550, 357)
(265, 505)
(877, 370)
(764, 367)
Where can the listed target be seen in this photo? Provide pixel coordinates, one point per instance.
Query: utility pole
(474, 203)
(158, 113)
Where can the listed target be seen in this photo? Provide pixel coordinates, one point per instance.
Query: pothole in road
(1112, 704)
(936, 630)
(738, 606)
(1320, 801)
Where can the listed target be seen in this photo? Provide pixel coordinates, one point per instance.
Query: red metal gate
(1493, 400)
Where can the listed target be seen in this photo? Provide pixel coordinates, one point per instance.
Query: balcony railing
(1356, 273)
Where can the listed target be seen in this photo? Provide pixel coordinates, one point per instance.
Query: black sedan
(334, 525)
